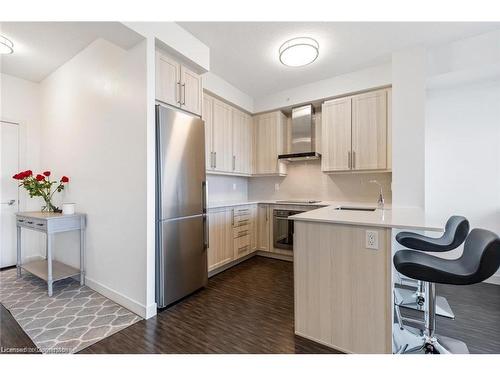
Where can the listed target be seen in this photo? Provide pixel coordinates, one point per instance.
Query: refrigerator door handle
(206, 235)
(206, 231)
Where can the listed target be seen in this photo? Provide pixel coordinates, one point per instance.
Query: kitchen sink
(347, 208)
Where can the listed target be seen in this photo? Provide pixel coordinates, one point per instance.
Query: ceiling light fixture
(299, 51)
(6, 46)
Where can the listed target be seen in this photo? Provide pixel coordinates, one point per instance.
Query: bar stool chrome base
(404, 297)
(411, 340)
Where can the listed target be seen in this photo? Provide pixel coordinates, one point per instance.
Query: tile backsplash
(304, 181)
(226, 188)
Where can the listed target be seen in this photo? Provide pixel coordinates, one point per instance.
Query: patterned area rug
(69, 321)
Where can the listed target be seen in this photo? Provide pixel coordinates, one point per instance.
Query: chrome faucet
(380, 201)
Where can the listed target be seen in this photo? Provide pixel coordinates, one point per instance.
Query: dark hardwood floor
(246, 309)
(477, 316)
(12, 337)
(249, 309)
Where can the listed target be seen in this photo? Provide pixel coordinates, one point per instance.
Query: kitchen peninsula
(342, 274)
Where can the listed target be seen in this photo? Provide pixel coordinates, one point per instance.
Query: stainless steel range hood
(303, 135)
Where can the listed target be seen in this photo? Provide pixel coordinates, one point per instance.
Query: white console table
(51, 223)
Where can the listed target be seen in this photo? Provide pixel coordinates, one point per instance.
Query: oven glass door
(283, 229)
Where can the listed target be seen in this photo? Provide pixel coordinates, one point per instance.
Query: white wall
(376, 76)
(94, 131)
(306, 181)
(408, 127)
(20, 102)
(225, 90)
(463, 133)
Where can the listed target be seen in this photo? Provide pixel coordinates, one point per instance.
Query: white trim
(495, 279)
(119, 298)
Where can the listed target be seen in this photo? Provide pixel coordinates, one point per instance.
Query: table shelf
(60, 270)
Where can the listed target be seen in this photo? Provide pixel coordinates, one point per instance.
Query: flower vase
(49, 207)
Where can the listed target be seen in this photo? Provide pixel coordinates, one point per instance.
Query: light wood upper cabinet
(336, 135)
(191, 90)
(177, 85)
(355, 133)
(242, 137)
(220, 228)
(263, 227)
(207, 116)
(222, 137)
(269, 141)
(228, 138)
(369, 131)
(167, 79)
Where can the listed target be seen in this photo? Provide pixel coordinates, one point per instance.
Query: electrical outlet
(276, 187)
(372, 239)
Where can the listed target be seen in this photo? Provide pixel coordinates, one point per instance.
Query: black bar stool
(479, 261)
(456, 230)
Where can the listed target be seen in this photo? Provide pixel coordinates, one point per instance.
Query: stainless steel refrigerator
(181, 209)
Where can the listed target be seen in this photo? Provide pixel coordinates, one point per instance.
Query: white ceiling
(42, 47)
(246, 53)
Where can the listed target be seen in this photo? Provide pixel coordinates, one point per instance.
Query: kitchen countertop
(401, 218)
(268, 201)
(389, 217)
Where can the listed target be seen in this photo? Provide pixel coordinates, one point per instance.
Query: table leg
(19, 261)
(49, 264)
(82, 255)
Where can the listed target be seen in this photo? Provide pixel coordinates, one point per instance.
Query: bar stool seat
(479, 261)
(456, 230)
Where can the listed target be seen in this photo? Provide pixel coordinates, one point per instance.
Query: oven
(283, 228)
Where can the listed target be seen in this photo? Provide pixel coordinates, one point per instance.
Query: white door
(9, 192)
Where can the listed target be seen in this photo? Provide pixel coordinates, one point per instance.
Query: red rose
(17, 176)
(64, 179)
(39, 177)
(46, 173)
(28, 173)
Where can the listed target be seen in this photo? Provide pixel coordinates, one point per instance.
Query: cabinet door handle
(178, 93)
(215, 159)
(183, 94)
(234, 162)
(349, 159)
(353, 159)
(232, 217)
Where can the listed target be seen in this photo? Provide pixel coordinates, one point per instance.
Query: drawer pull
(243, 248)
(30, 222)
(40, 224)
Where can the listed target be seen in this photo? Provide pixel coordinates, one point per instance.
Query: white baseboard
(143, 311)
(495, 279)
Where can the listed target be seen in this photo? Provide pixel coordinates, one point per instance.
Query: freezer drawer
(181, 258)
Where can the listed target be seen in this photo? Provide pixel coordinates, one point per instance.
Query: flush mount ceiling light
(299, 51)
(6, 46)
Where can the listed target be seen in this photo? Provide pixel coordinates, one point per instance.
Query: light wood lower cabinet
(220, 250)
(342, 289)
(263, 227)
(231, 234)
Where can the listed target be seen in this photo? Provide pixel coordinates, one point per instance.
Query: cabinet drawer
(241, 245)
(241, 231)
(32, 223)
